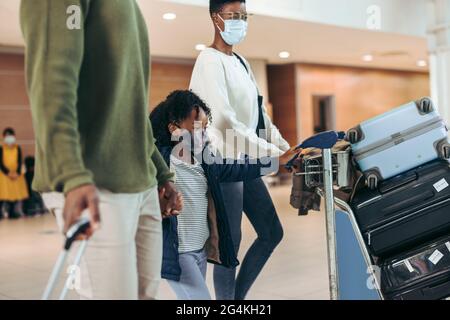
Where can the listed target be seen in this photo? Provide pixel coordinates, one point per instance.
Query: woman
(224, 80)
(13, 188)
(201, 232)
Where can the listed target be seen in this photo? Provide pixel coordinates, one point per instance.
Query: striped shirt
(193, 227)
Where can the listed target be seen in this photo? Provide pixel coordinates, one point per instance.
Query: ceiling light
(422, 63)
(284, 54)
(200, 47)
(169, 16)
(367, 57)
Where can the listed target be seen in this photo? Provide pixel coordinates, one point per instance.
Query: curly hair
(176, 108)
(216, 5)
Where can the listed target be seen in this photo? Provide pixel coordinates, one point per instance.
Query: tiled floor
(297, 269)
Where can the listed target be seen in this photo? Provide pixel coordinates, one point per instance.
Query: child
(201, 232)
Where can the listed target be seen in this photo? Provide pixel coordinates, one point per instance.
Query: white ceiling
(306, 41)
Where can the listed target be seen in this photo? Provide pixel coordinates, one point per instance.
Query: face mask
(235, 31)
(10, 140)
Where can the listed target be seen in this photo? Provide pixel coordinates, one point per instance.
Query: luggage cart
(326, 173)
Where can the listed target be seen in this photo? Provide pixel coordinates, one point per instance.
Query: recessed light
(169, 16)
(284, 54)
(422, 63)
(367, 57)
(200, 47)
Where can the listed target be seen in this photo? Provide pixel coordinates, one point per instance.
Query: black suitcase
(405, 211)
(422, 274)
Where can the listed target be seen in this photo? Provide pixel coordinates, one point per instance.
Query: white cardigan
(231, 92)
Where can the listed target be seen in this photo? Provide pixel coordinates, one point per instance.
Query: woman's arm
(2, 165)
(273, 134)
(19, 160)
(208, 81)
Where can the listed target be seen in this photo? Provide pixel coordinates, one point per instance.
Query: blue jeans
(253, 198)
(192, 284)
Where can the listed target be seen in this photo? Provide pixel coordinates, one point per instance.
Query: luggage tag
(409, 266)
(441, 185)
(435, 257)
(406, 263)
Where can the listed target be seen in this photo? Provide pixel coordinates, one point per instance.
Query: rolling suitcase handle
(77, 229)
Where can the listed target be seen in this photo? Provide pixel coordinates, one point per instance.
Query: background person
(13, 188)
(226, 83)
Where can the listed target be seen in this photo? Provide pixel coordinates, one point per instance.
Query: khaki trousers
(124, 257)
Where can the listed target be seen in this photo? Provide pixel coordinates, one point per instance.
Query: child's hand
(171, 203)
(288, 155)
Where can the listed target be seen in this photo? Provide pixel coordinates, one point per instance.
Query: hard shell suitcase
(399, 140)
(421, 274)
(406, 210)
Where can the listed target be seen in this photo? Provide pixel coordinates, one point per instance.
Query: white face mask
(10, 140)
(235, 31)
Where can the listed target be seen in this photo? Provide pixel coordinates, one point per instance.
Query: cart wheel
(353, 136)
(426, 105)
(444, 150)
(372, 181)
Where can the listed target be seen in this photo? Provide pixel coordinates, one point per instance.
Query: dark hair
(216, 5)
(9, 132)
(176, 108)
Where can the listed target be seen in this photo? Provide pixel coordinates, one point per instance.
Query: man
(88, 65)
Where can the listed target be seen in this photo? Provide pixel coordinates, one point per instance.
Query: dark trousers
(10, 209)
(253, 198)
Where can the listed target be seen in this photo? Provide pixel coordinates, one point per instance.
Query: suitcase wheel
(372, 181)
(353, 136)
(426, 106)
(444, 150)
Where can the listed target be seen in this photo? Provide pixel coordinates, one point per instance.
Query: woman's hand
(13, 175)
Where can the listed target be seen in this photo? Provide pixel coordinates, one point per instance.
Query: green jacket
(87, 67)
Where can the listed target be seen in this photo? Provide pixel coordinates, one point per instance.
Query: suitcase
(399, 140)
(422, 274)
(407, 210)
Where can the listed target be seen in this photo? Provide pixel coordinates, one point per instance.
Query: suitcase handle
(397, 182)
(75, 230)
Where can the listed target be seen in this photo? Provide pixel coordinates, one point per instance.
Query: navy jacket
(216, 173)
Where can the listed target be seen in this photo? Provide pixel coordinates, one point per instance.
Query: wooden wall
(359, 94)
(14, 104)
(282, 96)
(167, 77)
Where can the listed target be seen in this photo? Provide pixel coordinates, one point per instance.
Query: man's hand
(78, 200)
(171, 201)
